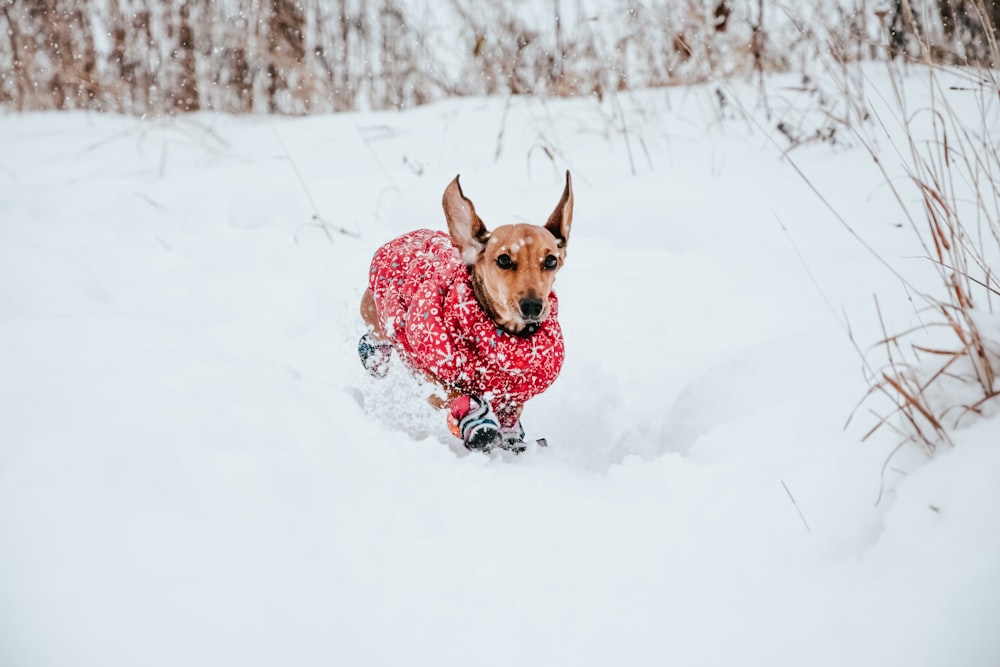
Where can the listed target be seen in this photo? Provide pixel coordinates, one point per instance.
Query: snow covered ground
(195, 470)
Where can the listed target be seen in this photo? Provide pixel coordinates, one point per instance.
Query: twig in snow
(885, 466)
(812, 278)
(796, 505)
(503, 129)
(152, 202)
(319, 221)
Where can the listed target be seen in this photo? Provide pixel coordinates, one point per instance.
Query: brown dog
(473, 311)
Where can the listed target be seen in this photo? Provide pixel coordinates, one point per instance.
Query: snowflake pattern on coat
(426, 306)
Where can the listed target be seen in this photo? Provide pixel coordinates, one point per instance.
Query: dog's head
(514, 266)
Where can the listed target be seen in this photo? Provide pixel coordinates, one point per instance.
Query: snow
(195, 469)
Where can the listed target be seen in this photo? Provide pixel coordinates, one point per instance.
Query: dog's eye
(505, 262)
(550, 262)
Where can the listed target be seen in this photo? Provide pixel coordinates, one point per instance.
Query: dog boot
(374, 355)
(513, 437)
(471, 419)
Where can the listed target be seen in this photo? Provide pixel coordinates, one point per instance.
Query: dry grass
(313, 56)
(939, 374)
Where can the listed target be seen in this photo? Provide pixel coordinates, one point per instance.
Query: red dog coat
(426, 306)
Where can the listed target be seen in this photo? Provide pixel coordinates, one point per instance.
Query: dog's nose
(531, 308)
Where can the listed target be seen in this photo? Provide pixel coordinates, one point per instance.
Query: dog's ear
(468, 233)
(562, 218)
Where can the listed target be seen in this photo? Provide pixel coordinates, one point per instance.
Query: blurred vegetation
(307, 56)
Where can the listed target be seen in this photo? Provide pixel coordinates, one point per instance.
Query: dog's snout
(531, 308)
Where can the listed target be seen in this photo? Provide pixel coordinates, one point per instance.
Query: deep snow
(194, 468)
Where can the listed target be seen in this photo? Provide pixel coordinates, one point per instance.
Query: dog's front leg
(443, 395)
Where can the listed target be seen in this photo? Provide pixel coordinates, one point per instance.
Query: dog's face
(514, 266)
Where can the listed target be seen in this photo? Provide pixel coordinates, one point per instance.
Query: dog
(474, 312)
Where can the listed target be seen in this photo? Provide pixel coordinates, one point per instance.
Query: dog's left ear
(562, 218)
(468, 233)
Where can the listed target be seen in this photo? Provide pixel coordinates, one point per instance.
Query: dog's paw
(375, 355)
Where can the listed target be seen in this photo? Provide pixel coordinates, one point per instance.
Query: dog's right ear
(468, 233)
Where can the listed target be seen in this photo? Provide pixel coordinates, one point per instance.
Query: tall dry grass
(941, 373)
(938, 382)
(307, 56)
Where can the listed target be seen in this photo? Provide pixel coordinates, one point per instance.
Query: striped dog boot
(471, 419)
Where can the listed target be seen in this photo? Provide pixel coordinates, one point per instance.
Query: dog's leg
(440, 399)
(374, 348)
(369, 313)
(444, 396)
